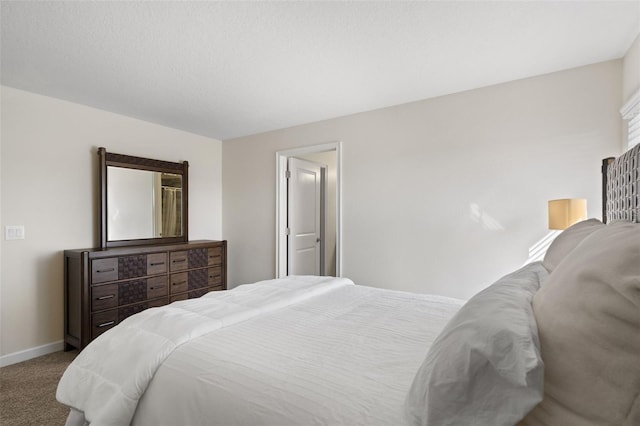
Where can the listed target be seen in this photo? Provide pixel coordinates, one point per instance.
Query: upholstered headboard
(621, 187)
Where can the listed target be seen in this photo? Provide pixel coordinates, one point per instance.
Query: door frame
(281, 202)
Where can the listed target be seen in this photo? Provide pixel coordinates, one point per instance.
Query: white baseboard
(28, 354)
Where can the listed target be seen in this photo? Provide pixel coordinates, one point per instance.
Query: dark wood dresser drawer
(126, 311)
(198, 279)
(194, 294)
(132, 291)
(156, 263)
(178, 260)
(103, 321)
(156, 287)
(104, 270)
(198, 258)
(215, 256)
(132, 266)
(178, 297)
(214, 276)
(179, 282)
(104, 297)
(157, 302)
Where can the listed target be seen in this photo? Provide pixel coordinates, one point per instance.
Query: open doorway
(307, 211)
(330, 155)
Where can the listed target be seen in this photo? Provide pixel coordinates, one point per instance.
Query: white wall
(49, 172)
(444, 195)
(631, 70)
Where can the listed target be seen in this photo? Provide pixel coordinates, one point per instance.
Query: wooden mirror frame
(140, 163)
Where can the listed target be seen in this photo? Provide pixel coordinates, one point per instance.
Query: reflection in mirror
(171, 211)
(143, 204)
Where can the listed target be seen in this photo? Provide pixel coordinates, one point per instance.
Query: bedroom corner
(50, 185)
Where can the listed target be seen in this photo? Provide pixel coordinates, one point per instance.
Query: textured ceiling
(228, 69)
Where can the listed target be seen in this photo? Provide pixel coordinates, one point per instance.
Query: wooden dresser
(103, 287)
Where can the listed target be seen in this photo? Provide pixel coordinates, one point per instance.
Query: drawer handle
(100, 271)
(157, 264)
(110, 296)
(106, 324)
(154, 288)
(179, 260)
(214, 276)
(179, 283)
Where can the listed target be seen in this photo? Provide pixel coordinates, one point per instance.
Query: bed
(534, 348)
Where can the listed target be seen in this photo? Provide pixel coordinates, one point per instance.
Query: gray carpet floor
(28, 391)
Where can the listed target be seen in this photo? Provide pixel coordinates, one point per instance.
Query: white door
(305, 216)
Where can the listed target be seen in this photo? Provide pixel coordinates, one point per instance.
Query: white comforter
(302, 350)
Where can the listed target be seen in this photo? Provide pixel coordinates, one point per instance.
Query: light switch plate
(14, 232)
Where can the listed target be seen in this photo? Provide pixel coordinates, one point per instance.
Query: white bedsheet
(305, 350)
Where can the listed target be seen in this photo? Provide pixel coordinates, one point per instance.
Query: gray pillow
(588, 315)
(485, 367)
(568, 240)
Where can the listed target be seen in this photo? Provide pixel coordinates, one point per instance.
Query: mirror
(143, 201)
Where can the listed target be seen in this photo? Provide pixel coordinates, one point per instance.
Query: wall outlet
(14, 232)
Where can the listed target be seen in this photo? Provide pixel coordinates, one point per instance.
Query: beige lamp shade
(564, 213)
